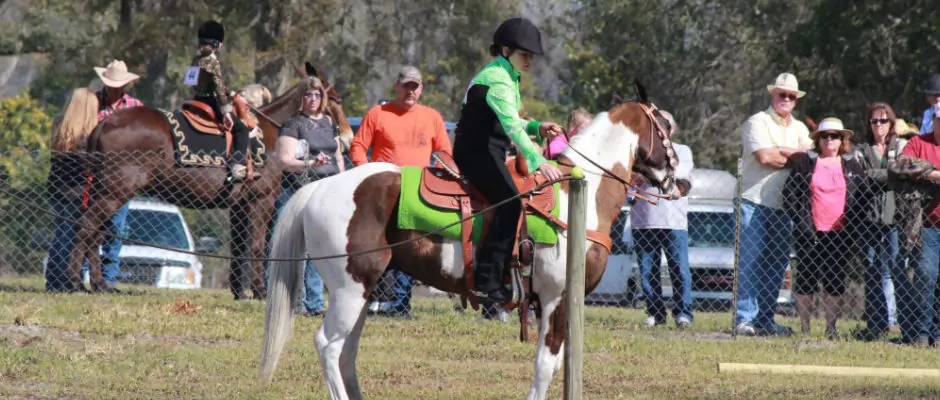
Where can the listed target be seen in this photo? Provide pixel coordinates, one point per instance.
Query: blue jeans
(63, 239)
(904, 291)
(650, 244)
(402, 290)
(312, 293)
(881, 252)
(764, 258)
(926, 304)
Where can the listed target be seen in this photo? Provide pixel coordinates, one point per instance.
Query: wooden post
(574, 288)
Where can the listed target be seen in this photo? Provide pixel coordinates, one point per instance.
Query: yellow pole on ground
(574, 286)
(827, 370)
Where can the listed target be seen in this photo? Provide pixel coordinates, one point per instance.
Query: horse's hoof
(260, 295)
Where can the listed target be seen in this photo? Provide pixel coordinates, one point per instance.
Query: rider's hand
(549, 130)
(550, 171)
(227, 121)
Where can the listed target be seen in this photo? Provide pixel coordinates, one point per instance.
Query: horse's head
(334, 107)
(635, 135)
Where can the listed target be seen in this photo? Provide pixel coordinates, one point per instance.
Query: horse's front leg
(550, 350)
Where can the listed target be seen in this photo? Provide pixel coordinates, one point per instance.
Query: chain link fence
(742, 261)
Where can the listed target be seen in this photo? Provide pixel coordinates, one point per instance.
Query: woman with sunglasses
(308, 149)
(880, 147)
(824, 196)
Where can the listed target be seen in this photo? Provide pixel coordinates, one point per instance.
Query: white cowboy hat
(832, 125)
(115, 74)
(786, 81)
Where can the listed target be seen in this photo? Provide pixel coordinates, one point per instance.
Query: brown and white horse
(356, 211)
(135, 154)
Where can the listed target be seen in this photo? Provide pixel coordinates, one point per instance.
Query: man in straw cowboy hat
(769, 137)
(112, 96)
(115, 79)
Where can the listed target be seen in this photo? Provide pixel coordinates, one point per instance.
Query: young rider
(209, 88)
(489, 124)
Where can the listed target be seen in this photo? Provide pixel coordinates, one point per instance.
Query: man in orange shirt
(401, 132)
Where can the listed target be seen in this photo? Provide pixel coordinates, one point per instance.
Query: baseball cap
(409, 74)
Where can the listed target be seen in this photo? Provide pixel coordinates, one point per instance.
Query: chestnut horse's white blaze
(324, 217)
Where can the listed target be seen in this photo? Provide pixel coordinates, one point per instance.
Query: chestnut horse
(132, 152)
(356, 211)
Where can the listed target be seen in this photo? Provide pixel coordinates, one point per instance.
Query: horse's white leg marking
(346, 310)
(347, 360)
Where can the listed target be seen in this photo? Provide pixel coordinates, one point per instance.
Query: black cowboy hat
(931, 85)
(212, 31)
(519, 33)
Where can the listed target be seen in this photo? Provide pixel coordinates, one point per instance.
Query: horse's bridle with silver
(671, 164)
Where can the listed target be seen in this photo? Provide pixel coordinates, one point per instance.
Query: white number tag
(192, 76)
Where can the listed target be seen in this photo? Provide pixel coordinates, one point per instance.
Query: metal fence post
(574, 287)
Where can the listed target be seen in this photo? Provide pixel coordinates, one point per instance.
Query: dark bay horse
(357, 211)
(132, 152)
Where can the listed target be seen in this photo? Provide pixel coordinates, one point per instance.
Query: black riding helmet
(211, 32)
(517, 33)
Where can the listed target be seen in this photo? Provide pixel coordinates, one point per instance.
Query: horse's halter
(673, 161)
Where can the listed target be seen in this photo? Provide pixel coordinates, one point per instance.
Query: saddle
(443, 186)
(203, 119)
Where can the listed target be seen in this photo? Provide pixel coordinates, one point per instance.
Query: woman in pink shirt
(824, 197)
(577, 120)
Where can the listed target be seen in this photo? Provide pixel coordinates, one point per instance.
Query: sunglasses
(313, 95)
(879, 121)
(787, 96)
(830, 136)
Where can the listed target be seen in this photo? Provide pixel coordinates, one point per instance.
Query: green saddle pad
(415, 214)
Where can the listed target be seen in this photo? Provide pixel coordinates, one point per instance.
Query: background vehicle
(711, 250)
(155, 222)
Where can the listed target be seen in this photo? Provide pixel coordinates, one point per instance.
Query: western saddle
(203, 119)
(443, 187)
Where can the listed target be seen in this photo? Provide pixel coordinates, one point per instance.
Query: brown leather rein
(655, 128)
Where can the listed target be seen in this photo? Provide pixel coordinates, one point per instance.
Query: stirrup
(238, 172)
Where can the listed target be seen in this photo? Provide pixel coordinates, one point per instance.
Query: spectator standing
(824, 196)
(925, 151)
(308, 148)
(931, 91)
(115, 79)
(664, 228)
(400, 132)
(879, 148)
(769, 138)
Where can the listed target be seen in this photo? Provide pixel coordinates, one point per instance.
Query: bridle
(656, 129)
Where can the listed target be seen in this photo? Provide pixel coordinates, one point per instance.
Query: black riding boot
(488, 174)
(238, 157)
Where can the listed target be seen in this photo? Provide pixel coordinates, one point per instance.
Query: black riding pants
(486, 170)
(240, 132)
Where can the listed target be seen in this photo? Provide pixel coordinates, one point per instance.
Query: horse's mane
(70, 130)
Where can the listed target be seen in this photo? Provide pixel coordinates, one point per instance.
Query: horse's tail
(284, 279)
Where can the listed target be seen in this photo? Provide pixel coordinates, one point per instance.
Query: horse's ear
(615, 99)
(811, 124)
(640, 91)
(311, 70)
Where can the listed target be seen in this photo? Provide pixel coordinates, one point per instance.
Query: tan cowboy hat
(115, 74)
(832, 125)
(786, 81)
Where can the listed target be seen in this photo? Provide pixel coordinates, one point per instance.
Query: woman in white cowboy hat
(112, 96)
(825, 197)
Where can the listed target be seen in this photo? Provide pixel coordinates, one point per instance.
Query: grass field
(202, 345)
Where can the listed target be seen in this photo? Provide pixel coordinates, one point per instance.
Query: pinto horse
(132, 152)
(356, 211)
